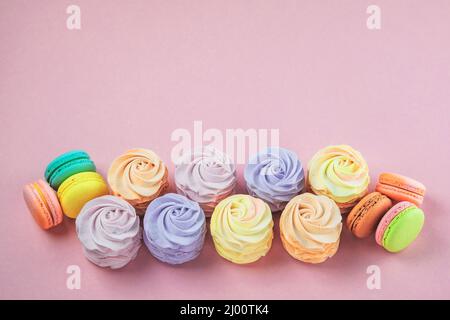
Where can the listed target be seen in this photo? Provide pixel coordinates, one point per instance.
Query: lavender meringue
(174, 228)
(276, 176)
(109, 231)
(206, 176)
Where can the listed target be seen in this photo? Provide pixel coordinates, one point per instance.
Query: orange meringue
(138, 176)
(310, 228)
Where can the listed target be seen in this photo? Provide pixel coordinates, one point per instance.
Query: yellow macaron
(78, 189)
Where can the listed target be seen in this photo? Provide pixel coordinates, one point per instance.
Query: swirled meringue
(341, 173)
(206, 176)
(174, 228)
(109, 231)
(138, 176)
(310, 228)
(242, 228)
(275, 175)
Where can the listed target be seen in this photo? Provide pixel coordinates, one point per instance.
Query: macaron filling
(370, 203)
(76, 166)
(404, 183)
(76, 180)
(43, 199)
(388, 189)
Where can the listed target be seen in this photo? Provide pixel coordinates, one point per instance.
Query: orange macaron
(43, 204)
(401, 188)
(365, 216)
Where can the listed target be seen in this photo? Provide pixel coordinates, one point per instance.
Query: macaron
(66, 165)
(80, 188)
(400, 226)
(401, 188)
(365, 216)
(43, 204)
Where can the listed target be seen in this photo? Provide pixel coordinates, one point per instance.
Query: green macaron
(67, 165)
(400, 226)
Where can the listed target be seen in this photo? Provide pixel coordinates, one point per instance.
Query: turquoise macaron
(66, 165)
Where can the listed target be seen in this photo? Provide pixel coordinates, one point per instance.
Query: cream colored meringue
(310, 228)
(206, 176)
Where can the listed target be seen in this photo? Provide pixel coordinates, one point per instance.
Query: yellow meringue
(341, 173)
(242, 228)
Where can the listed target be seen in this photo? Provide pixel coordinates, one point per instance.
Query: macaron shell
(52, 202)
(399, 194)
(69, 169)
(63, 159)
(388, 217)
(403, 229)
(397, 180)
(37, 207)
(365, 216)
(78, 190)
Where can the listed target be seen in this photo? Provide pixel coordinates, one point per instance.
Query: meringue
(275, 176)
(109, 231)
(341, 173)
(242, 228)
(310, 228)
(138, 176)
(206, 176)
(174, 228)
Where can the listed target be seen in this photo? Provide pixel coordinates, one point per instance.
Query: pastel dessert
(174, 228)
(401, 188)
(67, 165)
(365, 216)
(275, 175)
(310, 228)
(206, 176)
(80, 188)
(242, 228)
(109, 231)
(138, 176)
(400, 226)
(340, 173)
(43, 204)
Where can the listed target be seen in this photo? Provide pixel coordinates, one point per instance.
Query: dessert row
(173, 226)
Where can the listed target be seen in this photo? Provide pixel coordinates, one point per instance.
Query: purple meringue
(109, 231)
(174, 228)
(206, 176)
(276, 176)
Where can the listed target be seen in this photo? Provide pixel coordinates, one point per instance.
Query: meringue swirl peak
(310, 228)
(275, 175)
(109, 231)
(205, 175)
(242, 228)
(174, 228)
(138, 176)
(341, 173)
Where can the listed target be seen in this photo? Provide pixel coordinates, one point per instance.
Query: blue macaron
(67, 165)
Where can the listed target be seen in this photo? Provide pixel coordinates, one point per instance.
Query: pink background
(140, 69)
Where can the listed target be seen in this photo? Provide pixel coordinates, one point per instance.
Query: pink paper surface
(138, 70)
